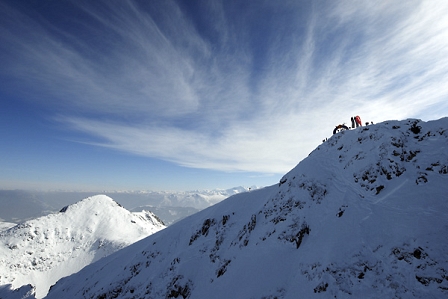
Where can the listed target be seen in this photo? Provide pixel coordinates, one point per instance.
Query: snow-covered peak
(364, 216)
(92, 203)
(40, 251)
(372, 156)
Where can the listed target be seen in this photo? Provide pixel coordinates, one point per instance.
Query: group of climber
(355, 122)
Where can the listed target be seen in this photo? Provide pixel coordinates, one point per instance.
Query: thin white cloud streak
(234, 150)
(154, 72)
(385, 61)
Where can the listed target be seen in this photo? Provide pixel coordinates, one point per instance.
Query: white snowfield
(41, 251)
(364, 216)
(6, 225)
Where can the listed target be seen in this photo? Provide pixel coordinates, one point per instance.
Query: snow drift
(41, 251)
(364, 216)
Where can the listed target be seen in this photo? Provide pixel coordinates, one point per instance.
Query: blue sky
(183, 95)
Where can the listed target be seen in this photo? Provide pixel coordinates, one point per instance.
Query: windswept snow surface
(364, 216)
(6, 225)
(41, 251)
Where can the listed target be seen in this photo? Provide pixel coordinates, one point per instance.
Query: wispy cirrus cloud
(124, 63)
(233, 87)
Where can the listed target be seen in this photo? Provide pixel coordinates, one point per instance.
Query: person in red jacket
(358, 121)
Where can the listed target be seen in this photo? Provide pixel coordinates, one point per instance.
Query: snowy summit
(364, 216)
(41, 251)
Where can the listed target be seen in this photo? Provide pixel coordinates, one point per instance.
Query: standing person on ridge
(358, 121)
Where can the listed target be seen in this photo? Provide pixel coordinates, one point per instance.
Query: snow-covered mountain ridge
(364, 216)
(6, 225)
(41, 251)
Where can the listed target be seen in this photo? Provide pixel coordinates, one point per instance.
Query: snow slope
(41, 251)
(364, 216)
(6, 225)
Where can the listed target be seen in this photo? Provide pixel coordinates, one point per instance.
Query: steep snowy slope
(41, 251)
(364, 216)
